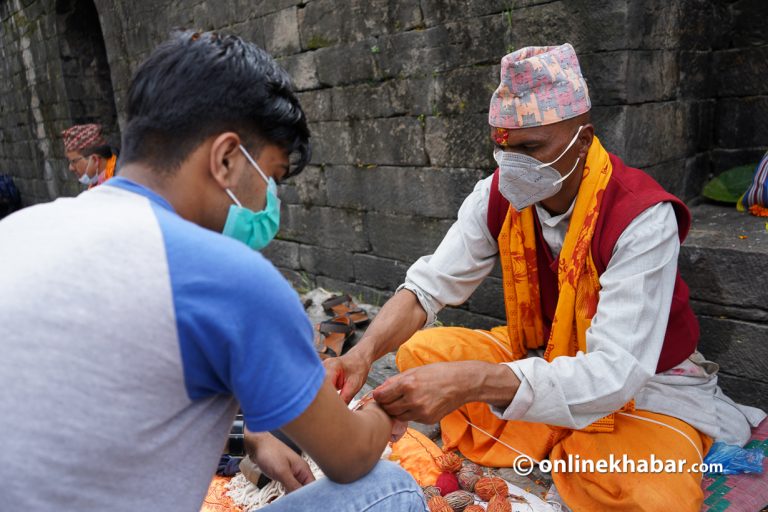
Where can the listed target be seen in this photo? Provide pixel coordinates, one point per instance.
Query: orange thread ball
(459, 500)
(430, 491)
(438, 504)
(447, 483)
(474, 508)
(499, 504)
(449, 462)
(468, 465)
(490, 486)
(467, 479)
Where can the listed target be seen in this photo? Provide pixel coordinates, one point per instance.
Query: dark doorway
(84, 64)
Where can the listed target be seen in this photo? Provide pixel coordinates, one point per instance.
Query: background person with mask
(192, 320)
(90, 157)
(598, 357)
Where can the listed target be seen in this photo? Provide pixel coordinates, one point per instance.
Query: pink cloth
(539, 85)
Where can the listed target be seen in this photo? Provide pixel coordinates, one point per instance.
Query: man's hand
(278, 461)
(428, 393)
(347, 373)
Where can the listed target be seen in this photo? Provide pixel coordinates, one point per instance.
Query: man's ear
(224, 157)
(585, 140)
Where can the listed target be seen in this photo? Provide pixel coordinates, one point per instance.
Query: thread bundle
(490, 486)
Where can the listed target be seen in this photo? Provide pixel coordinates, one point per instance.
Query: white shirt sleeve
(463, 259)
(624, 340)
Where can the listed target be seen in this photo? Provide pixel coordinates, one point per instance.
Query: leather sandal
(343, 305)
(332, 335)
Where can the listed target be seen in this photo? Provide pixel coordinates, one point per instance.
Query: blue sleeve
(241, 327)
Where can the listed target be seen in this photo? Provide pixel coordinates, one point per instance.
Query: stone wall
(397, 95)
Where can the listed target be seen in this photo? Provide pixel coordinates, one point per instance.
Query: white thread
(701, 457)
(502, 442)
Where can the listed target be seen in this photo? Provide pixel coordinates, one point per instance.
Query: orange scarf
(577, 275)
(107, 173)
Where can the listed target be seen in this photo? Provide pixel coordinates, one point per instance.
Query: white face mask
(523, 180)
(85, 179)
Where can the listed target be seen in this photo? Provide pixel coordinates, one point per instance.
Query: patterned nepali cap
(83, 136)
(539, 85)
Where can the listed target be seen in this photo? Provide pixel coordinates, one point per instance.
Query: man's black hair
(199, 84)
(106, 151)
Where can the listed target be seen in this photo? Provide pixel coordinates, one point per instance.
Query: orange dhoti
(582, 491)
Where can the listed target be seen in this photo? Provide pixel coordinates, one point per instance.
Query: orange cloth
(107, 173)
(577, 276)
(581, 491)
(416, 453)
(216, 499)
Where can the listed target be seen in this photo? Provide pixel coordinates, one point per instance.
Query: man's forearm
(401, 316)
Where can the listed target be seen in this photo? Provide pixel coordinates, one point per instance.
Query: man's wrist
(492, 383)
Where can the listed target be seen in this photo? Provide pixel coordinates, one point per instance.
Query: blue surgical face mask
(255, 229)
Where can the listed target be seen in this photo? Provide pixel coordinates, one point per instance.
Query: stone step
(724, 260)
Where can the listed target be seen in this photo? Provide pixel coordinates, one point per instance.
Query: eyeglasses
(73, 162)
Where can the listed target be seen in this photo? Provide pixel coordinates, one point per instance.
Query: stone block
(281, 32)
(303, 70)
(326, 227)
(310, 187)
(400, 190)
(389, 141)
(404, 238)
(300, 281)
(749, 16)
(610, 127)
(652, 76)
(718, 265)
(670, 175)
(252, 30)
(360, 292)
(724, 159)
(742, 122)
(331, 142)
(345, 64)
(336, 263)
(326, 22)
(488, 299)
(457, 317)
(577, 22)
(740, 348)
(381, 273)
(607, 76)
(282, 254)
(740, 71)
(653, 24)
(459, 141)
(464, 90)
(317, 104)
(414, 53)
(658, 133)
(698, 169)
(744, 391)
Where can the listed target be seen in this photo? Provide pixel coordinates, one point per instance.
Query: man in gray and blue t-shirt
(120, 376)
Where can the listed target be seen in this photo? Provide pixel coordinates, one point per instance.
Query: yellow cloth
(577, 276)
(416, 453)
(581, 491)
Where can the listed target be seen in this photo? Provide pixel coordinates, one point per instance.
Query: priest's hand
(427, 393)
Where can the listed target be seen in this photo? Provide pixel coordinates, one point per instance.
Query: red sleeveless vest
(629, 193)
